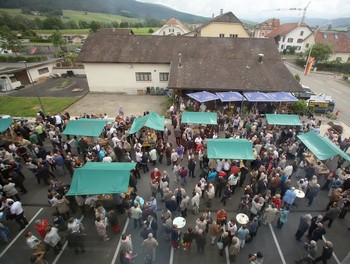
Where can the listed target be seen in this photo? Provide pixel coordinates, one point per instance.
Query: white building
(291, 35)
(172, 27)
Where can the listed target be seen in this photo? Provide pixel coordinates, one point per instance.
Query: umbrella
(282, 97)
(258, 97)
(230, 96)
(203, 96)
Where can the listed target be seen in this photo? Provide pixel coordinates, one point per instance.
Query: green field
(29, 106)
(78, 15)
(86, 31)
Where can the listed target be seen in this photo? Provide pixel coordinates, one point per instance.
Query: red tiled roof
(342, 44)
(269, 24)
(284, 29)
(173, 21)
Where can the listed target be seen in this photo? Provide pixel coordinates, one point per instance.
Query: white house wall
(295, 35)
(34, 72)
(121, 77)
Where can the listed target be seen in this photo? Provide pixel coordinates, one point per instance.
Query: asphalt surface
(278, 246)
(49, 88)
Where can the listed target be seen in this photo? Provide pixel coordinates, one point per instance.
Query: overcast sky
(256, 10)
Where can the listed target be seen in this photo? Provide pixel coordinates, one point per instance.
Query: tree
(71, 24)
(53, 23)
(94, 26)
(83, 24)
(9, 41)
(124, 24)
(320, 51)
(299, 107)
(57, 39)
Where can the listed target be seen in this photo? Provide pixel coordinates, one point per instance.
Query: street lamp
(35, 90)
(312, 45)
(244, 86)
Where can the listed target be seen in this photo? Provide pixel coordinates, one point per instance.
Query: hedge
(22, 58)
(328, 66)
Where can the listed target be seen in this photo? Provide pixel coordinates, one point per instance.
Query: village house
(172, 27)
(223, 26)
(291, 36)
(264, 28)
(129, 63)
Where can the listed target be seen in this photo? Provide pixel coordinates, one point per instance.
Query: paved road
(325, 83)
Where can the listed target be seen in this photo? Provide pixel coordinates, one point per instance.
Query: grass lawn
(29, 106)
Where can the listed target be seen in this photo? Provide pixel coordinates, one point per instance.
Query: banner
(309, 65)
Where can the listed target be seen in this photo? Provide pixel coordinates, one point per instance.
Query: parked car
(306, 94)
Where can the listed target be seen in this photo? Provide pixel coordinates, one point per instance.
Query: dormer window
(325, 36)
(336, 36)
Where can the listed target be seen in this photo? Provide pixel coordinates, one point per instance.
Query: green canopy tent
(5, 123)
(208, 118)
(101, 178)
(230, 149)
(322, 147)
(85, 127)
(285, 120)
(152, 120)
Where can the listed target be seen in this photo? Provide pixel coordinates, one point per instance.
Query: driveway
(109, 103)
(49, 88)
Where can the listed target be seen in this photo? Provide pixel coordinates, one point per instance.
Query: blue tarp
(258, 97)
(282, 97)
(203, 97)
(230, 96)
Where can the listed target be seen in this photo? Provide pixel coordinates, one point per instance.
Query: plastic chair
(153, 92)
(157, 91)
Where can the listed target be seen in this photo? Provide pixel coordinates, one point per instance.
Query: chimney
(212, 15)
(221, 11)
(261, 56)
(180, 60)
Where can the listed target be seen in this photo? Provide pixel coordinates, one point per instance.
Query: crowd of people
(190, 183)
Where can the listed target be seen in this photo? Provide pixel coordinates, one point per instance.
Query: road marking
(64, 246)
(20, 233)
(119, 243)
(171, 259)
(319, 82)
(335, 90)
(277, 245)
(334, 255)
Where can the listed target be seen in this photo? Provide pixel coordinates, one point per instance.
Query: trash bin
(70, 73)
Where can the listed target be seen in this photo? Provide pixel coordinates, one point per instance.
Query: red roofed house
(172, 27)
(339, 41)
(264, 28)
(291, 35)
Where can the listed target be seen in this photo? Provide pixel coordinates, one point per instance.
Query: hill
(126, 8)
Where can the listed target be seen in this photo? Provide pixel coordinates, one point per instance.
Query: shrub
(22, 58)
(300, 107)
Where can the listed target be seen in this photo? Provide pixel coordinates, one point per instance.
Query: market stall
(282, 119)
(240, 149)
(85, 127)
(5, 123)
(152, 120)
(322, 147)
(101, 178)
(207, 118)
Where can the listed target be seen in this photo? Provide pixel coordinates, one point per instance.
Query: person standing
(234, 249)
(183, 175)
(304, 224)
(101, 224)
(76, 241)
(17, 210)
(150, 244)
(311, 253)
(175, 237)
(270, 214)
(214, 230)
(331, 214)
(191, 167)
(188, 239)
(283, 217)
(327, 253)
(136, 214)
(200, 241)
(53, 239)
(242, 234)
(126, 243)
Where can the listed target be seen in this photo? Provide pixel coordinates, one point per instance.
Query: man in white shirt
(17, 210)
(34, 243)
(58, 121)
(107, 158)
